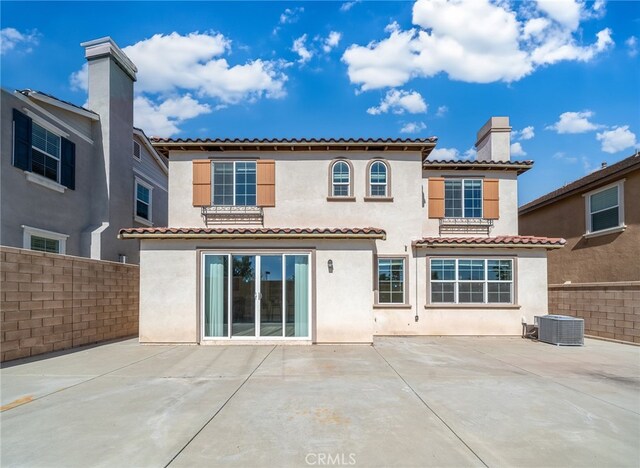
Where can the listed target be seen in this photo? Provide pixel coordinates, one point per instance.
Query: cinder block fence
(51, 302)
(609, 310)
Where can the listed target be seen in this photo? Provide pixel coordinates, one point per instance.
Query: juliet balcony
(223, 214)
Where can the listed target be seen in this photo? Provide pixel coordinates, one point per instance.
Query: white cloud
(413, 127)
(400, 102)
(632, 46)
(527, 133)
(516, 150)
(291, 15)
(194, 62)
(163, 119)
(175, 66)
(617, 139)
(442, 110)
(12, 39)
(447, 154)
(448, 38)
(346, 6)
(444, 154)
(574, 122)
(300, 48)
(565, 158)
(332, 40)
(565, 12)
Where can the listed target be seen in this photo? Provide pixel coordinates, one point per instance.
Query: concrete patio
(402, 402)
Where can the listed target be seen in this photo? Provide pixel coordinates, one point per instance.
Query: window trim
(58, 158)
(405, 289)
(463, 179)
(234, 162)
(148, 186)
(28, 231)
(621, 225)
(349, 196)
(464, 305)
(388, 196)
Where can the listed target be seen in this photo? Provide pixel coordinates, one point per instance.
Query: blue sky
(566, 72)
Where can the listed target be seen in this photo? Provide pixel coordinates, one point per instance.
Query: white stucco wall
(531, 300)
(341, 305)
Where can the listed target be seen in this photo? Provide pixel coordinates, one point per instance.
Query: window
(44, 241)
(391, 281)
(45, 159)
(471, 281)
(234, 183)
(136, 150)
(378, 179)
(143, 201)
(341, 179)
(604, 209)
(463, 198)
(42, 244)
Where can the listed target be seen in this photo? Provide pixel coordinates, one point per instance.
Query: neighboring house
(72, 177)
(338, 240)
(599, 215)
(597, 275)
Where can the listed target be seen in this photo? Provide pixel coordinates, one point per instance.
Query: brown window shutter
(201, 182)
(436, 197)
(266, 183)
(491, 199)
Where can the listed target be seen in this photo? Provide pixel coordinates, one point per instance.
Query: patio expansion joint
(552, 380)
(221, 408)
(426, 405)
(31, 400)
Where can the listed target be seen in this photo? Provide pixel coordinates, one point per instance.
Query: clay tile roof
(500, 241)
(586, 183)
(304, 141)
(242, 232)
(520, 166)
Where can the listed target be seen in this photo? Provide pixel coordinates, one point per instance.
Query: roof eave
(432, 245)
(379, 236)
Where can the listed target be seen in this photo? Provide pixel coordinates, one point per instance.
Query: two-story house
(338, 240)
(72, 177)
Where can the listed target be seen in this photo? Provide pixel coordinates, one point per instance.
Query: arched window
(378, 179)
(340, 179)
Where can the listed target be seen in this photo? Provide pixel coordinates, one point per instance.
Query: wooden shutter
(21, 141)
(201, 182)
(491, 199)
(436, 197)
(266, 183)
(68, 164)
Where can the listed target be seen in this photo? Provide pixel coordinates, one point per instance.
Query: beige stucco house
(338, 241)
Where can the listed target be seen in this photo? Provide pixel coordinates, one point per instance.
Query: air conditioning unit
(560, 330)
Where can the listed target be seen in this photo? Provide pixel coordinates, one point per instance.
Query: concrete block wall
(50, 302)
(609, 310)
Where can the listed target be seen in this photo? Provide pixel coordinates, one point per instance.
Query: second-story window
(45, 159)
(143, 201)
(378, 182)
(234, 183)
(341, 179)
(463, 198)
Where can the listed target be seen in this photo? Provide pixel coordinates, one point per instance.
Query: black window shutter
(21, 141)
(68, 164)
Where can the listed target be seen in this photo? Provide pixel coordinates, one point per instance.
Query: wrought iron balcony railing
(219, 214)
(465, 225)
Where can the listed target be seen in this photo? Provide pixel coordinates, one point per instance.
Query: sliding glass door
(256, 296)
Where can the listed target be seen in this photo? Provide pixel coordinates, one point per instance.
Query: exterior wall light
(330, 266)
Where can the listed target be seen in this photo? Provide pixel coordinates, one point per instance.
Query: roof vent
(603, 165)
